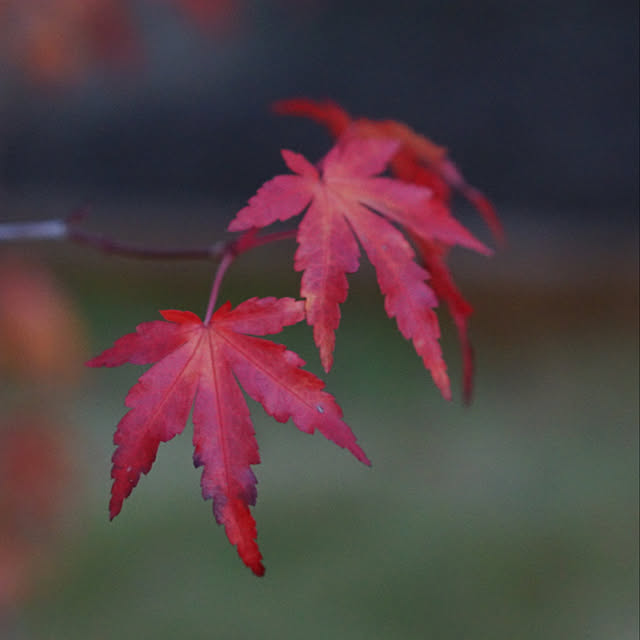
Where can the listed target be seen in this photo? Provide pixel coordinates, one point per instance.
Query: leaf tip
(93, 363)
(359, 453)
(365, 460)
(325, 341)
(441, 380)
(115, 506)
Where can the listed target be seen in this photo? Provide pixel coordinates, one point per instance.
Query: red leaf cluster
(346, 204)
(418, 161)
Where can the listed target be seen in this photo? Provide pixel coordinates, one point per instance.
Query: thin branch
(45, 230)
(115, 247)
(226, 260)
(59, 229)
(274, 237)
(247, 241)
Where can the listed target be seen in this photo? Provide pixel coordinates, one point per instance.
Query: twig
(67, 229)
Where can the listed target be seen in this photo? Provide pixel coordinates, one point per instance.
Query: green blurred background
(516, 517)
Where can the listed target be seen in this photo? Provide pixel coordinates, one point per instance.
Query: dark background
(538, 102)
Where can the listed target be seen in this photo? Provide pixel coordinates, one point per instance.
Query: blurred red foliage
(35, 493)
(56, 41)
(42, 339)
(42, 347)
(59, 42)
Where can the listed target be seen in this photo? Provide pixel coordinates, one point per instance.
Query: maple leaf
(201, 364)
(343, 198)
(422, 162)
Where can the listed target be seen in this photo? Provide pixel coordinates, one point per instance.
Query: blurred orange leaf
(41, 337)
(56, 41)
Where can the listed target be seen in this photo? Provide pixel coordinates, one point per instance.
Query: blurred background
(516, 517)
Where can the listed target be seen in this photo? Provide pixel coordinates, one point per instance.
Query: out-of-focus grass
(514, 518)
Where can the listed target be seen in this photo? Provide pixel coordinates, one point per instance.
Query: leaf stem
(67, 229)
(248, 240)
(114, 247)
(227, 259)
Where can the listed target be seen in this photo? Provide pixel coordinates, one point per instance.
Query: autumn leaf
(346, 203)
(419, 161)
(201, 365)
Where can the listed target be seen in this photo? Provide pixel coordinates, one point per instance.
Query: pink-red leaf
(199, 366)
(421, 162)
(340, 198)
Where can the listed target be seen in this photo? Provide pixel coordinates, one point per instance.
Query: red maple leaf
(343, 198)
(201, 364)
(418, 161)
